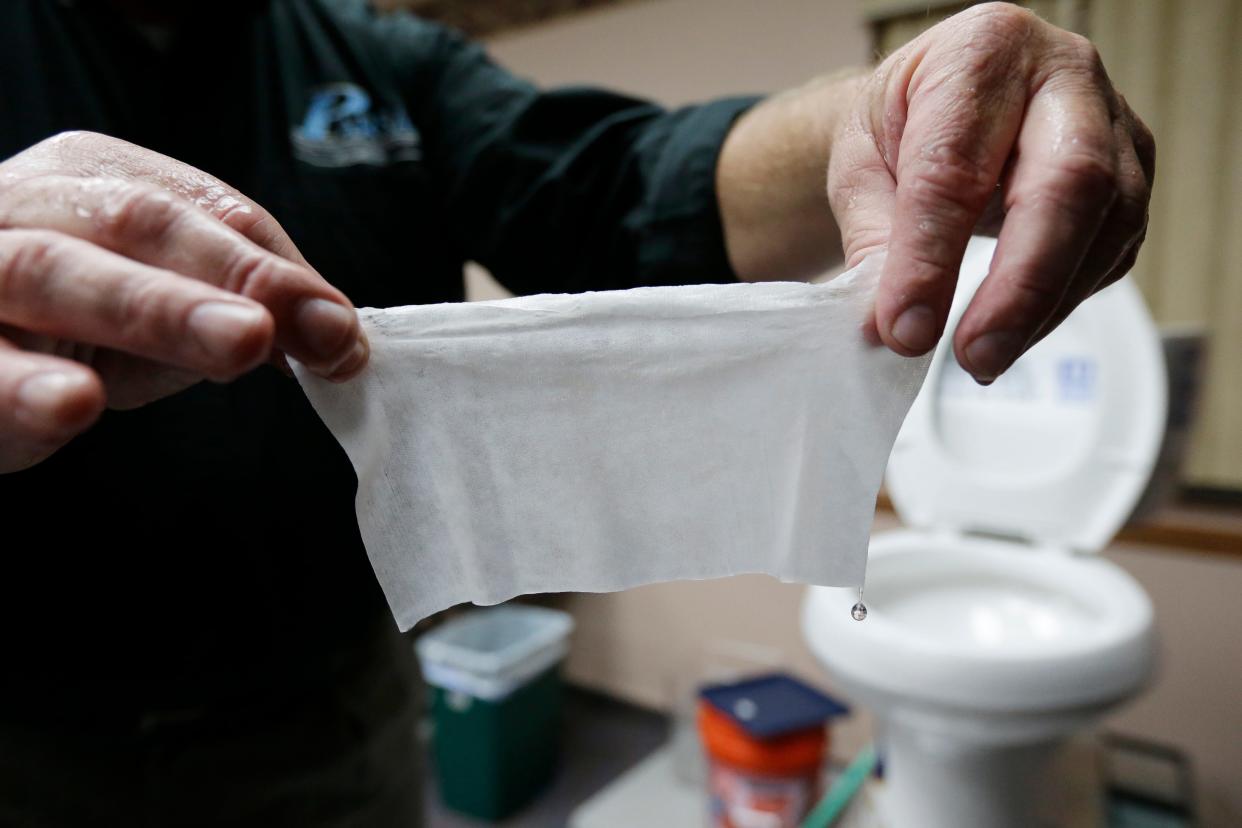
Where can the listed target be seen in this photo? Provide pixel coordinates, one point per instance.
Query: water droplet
(859, 611)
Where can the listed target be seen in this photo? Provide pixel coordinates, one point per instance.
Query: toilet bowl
(994, 633)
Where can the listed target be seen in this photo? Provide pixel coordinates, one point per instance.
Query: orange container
(772, 783)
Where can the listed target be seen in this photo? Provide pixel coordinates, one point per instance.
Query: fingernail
(991, 353)
(916, 329)
(42, 396)
(325, 327)
(354, 362)
(223, 329)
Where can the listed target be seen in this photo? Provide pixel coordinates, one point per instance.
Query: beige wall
(679, 51)
(1180, 65)
(642, 643)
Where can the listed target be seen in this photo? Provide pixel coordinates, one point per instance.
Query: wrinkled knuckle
(946, 158)
(234, 212)
(846, 186)
(143, 309)
(1074, 63)
(1005, 19)
(252, 272)
(1085, 174)
(975, 59)
(999, 14)
(941, 208)
(924, 276)
(951, 182)
(25, 256)
(134, 212)
(1086, 53)
(931, 227)
(1035, 291)
(257, 225)
(989, 53)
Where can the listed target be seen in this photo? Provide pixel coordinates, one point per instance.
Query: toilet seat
(992, 602)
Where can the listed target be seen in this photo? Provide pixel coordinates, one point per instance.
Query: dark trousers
(341, 755)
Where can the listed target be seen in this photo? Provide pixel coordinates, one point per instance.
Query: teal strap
(842, 791)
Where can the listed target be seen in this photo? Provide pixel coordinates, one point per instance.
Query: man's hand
(126, 276)
(993, 121)
(991, 117)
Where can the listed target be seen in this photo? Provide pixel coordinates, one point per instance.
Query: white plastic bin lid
(1058, 450)
(490, 652)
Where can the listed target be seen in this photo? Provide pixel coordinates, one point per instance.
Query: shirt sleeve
(569, 189)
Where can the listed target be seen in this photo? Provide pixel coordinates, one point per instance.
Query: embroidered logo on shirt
(342, 128)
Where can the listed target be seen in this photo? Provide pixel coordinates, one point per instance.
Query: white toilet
(995, 633)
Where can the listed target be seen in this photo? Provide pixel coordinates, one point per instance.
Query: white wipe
(600, 441)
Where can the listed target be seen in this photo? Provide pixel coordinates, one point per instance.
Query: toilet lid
(1059, 449)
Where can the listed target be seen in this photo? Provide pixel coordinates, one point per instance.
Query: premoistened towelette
(599, 441)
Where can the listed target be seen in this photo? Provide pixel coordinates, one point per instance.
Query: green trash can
(496, 704)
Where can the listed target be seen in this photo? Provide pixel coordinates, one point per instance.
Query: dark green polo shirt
(206, 545)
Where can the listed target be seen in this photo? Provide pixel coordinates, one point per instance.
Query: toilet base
(934, 781)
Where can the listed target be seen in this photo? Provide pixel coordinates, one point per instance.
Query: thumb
(861, 190)
(861, 193)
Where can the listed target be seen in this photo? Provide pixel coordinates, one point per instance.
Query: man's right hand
(126, 276)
